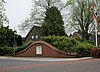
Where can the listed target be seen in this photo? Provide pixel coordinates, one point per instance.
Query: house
(34, 34)
(92, 37)
(76, 35)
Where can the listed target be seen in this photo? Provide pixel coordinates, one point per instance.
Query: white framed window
(36, 36)
(38, 49)
(32, 36)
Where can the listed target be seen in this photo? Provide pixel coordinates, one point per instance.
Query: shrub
(84, 49)
(80, 46)
(86, 41)
(25, 45)
(6, 50)
(10, 50)
(96, 52)
(61, 42)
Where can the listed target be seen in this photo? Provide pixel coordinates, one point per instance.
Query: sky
(17, 11)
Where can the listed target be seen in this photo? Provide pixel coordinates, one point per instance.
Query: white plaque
(38, 49)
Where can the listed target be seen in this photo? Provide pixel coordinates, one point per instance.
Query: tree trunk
(85, 35)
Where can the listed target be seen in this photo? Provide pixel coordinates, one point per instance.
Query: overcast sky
(17, 11)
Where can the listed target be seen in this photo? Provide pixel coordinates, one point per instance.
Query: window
(38, 49)
(36, 36)
(32, 36)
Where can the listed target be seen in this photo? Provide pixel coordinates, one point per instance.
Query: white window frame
(32, 36)
(36, 36)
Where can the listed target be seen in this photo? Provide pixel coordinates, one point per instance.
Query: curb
(43, 59)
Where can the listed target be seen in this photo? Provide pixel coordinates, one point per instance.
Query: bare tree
(3, 17)
(38, 10)
(81, 16)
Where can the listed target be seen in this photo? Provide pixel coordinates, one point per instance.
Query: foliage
(96, 52)
(6, 50)
(7, 37)
(84, 40)
(81, 12)
(79, 46)
(53, 23)
(84, 49)
(37, 15)
(18, 40)
(11, 50)
(25, 45)
(61, 42)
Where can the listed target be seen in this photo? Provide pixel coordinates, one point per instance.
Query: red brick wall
(47, 51)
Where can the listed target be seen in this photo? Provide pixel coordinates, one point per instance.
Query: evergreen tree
(38, 10)
(19, 40)
(7, 37)
(53, 23)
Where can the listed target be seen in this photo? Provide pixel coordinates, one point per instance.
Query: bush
(6, 50)
(25, 45)
(61, 42)
(96, 52)
(86, 41)
(80, 46)
(11, 50)
(84, 49)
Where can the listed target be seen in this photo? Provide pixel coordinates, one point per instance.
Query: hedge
(84, 49)
(11, 50)
(79, 46)
(25, 45)
(6, 50)
(61, 42)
